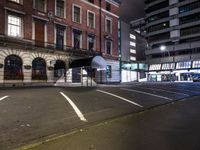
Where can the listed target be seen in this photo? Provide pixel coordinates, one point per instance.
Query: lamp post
(164, 49)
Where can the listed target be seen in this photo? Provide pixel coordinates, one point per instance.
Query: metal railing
(44, 46)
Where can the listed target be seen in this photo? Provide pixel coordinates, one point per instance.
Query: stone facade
(26, 48)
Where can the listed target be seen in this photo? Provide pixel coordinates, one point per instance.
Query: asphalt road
(28, 115)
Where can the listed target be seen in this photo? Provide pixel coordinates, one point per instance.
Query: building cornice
(14, 10)
(113, 3)
(40, 18)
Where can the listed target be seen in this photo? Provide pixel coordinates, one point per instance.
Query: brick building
(41, 39)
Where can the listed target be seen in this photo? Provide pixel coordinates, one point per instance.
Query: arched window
(13, 68)
(39, 69)
(59, 68)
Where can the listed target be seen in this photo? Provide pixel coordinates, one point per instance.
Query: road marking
(182, 89)
(3, 98)
(78, 112)
(131, 90)
(166, 91)
(120, 98)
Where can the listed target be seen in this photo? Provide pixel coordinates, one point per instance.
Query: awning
(96, 62)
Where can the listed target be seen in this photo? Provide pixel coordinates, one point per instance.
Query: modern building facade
(133, 53)
(173, 34)
(41, 39)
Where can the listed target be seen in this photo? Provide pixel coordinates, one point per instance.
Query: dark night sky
(132, 10)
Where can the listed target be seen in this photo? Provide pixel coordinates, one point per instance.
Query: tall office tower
(173, 35)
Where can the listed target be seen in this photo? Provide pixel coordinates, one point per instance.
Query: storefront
(180, 71)
(133, 71)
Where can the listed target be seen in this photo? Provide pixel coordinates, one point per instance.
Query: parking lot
(31, 114)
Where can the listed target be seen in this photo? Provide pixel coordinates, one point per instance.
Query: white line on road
(2, 98)
(120, 98)
(131, 90)
(167, 91)
(181, 90)
(78, 112)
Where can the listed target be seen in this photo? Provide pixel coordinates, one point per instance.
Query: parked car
(196, 79)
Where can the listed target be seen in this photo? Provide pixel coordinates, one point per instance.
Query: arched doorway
(39, 69)
(59, 69)
(13, 68)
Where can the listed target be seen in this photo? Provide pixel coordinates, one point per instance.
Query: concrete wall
(125, 41)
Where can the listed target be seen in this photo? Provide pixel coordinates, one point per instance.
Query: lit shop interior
(179, 71)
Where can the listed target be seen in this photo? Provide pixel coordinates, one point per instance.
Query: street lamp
(164, 48)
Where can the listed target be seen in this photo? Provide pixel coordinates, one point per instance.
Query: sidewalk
(170, 127)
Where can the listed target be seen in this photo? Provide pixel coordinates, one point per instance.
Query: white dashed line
(120, 98)
(131, 90)
(78, 112)
(166, 91)
(2, 98)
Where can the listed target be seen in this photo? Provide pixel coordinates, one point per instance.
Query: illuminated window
(16, 1)
(132, 36)
(132, 44)
(133, 58)
(109, 71)
(183, 65)
(14, 26)
(168, 66)
(133, 51)
(155, 67)
(196, 64)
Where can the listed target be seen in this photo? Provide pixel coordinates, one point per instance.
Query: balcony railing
(44, 46)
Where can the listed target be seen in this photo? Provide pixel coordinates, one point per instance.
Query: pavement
(33, 115)
(170, 127)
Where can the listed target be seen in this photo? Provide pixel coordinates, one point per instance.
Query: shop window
(196, 64)
(109, 71)
(155, 67)
(59, 68)
(183, 65)
(13, 68)
(168, 66)
(39, 69)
